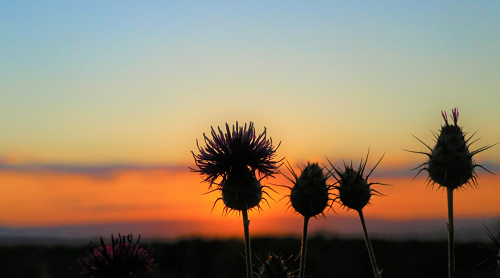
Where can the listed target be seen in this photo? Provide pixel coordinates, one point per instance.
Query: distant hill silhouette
(467, 229)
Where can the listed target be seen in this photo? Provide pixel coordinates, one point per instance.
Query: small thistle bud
(355, 193)
(274, 266)
(121, 259)
(309, 196)
(354, 190)
(450, 162)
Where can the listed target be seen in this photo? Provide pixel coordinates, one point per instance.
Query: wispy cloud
(92, 170)
(110, 170)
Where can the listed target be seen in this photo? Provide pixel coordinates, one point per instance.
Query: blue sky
(123, 81)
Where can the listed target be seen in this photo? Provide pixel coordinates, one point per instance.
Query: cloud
(110, 170)
(101, 171)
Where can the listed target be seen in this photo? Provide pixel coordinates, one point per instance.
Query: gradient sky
(88, 85)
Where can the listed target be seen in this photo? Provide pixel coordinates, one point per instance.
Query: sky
(101, 103)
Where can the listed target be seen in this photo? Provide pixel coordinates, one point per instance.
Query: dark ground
(326, 257)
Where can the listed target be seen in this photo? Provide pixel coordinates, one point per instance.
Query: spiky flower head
(354, 190)
(450, 163)
(309, 195)
(236, 161)
(120, 259)
(275, 266)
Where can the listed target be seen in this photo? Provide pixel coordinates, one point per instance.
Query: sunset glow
(49, 199)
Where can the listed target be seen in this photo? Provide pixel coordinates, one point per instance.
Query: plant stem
(248, 252)
(451, 235)
(369, 245)
(303, 249)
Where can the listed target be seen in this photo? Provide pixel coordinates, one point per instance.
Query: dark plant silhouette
(354, 192)
(236, 161)
(494, 259)
(120, 259)
(275, 266)
(450, 164)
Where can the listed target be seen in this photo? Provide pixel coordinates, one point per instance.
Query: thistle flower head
(354, 190)
(450, 163)
(121, 259)
(275, 266)
(233, 160)
(310, 193)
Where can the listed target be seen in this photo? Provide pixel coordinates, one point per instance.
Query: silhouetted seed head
(494, 259)
(233, 160)
(450, 162)
(121, 259)
(275, 266)
(354, 190)
(241, 190)
(310, 194)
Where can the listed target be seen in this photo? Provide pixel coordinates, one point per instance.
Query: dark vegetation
(327, 257)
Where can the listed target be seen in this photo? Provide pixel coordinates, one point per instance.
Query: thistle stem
(303, 249)
(248, 252)
(369, 245)
(451, 235)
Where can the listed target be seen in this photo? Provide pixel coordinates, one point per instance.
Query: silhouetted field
(326, 257)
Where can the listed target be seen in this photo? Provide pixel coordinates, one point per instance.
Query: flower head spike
(450, 162)
(233, 160)
(494, 259)
(354, 189)
(121, 259)
(445, 116)
(275, 266)
(454, 115)
(310, 193)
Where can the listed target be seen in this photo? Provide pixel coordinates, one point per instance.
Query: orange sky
(46, 199)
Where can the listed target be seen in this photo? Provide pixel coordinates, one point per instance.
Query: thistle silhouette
(236, 162)
(309, 197)
(354, 192)
(120, 259)
(275, 266)
(450, 164)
